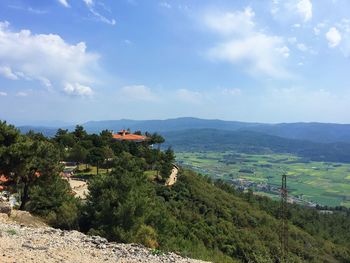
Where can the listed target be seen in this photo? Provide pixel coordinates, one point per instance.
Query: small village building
(125, 135)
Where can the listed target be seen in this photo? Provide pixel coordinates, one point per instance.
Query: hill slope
(215, 222)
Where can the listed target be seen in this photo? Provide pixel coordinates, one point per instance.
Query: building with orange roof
(125, 135)
(3, 181)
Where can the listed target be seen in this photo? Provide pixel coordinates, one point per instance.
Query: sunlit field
(324, 183)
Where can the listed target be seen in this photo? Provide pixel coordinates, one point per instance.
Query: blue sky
(70, 61)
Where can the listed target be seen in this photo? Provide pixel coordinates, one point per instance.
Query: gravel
(25, 244)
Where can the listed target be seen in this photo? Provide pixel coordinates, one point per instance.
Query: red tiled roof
(129, 137)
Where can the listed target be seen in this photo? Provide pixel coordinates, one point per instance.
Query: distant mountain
(255, 143)
(47, 131)
(165, 125)
(317, 132)
(313, 131)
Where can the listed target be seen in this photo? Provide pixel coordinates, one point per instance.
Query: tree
(31, 160)
(96, 157)
(64, 138)
(155, 138)
(79, 132)
(51, 199)
(167, 163)
(78, 154)
(120, 202)
(24, 160)
(106, 137)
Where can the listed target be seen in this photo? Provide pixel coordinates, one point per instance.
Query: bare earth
(27, 244)
(79, 187)
(173, 177)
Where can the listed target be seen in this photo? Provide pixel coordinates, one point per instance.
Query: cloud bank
(46, 58)
(244, 43)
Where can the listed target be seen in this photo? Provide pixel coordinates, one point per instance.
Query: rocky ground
(32, 242)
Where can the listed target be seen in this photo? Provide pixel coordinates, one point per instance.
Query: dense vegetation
(253, 142)
(196, 217)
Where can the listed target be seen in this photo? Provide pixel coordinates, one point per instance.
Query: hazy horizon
(253, 61)
(59, 123)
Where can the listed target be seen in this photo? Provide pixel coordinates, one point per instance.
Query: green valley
(323, 183)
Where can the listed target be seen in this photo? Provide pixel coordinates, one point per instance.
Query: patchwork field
(323, 183)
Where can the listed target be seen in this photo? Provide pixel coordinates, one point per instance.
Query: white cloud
(45, 57)
(338, 36)
(293, 10)
(64, 3)
(284, 51)
(88, 2)
(138, 92)
(77, 89)
(304, 8)
(7, 73)
(189, 96)
(245, 43)
(3, 94)
(229, 23)
(334, 37)
(91, 6)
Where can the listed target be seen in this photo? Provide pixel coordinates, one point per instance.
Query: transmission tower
(284, 219)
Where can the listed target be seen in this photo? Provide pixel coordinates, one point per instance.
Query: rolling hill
(316, 132)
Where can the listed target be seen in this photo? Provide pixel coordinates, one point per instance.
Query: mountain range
(313, 131)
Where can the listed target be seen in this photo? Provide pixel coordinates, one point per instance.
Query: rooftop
(127, 136)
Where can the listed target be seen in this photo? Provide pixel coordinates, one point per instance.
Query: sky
(71, 61)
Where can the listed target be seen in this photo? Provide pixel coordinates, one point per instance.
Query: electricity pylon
(284, 219)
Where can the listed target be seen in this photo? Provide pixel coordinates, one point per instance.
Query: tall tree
(24, 160)
(120, 202)
(78, 154)
(96, 157)
(79, 132)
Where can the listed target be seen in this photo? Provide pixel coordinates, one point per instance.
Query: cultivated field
(324, 183)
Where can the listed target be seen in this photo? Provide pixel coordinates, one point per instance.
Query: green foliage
(77, 154)
(51, 198)
(119, 203)
(227, 223)
(167, 164)
(196, 217)
(32, 164)
(146, 235)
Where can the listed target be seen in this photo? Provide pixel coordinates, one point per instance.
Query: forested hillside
(195, 217)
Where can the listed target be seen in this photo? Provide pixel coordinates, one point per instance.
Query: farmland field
(324, 183)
